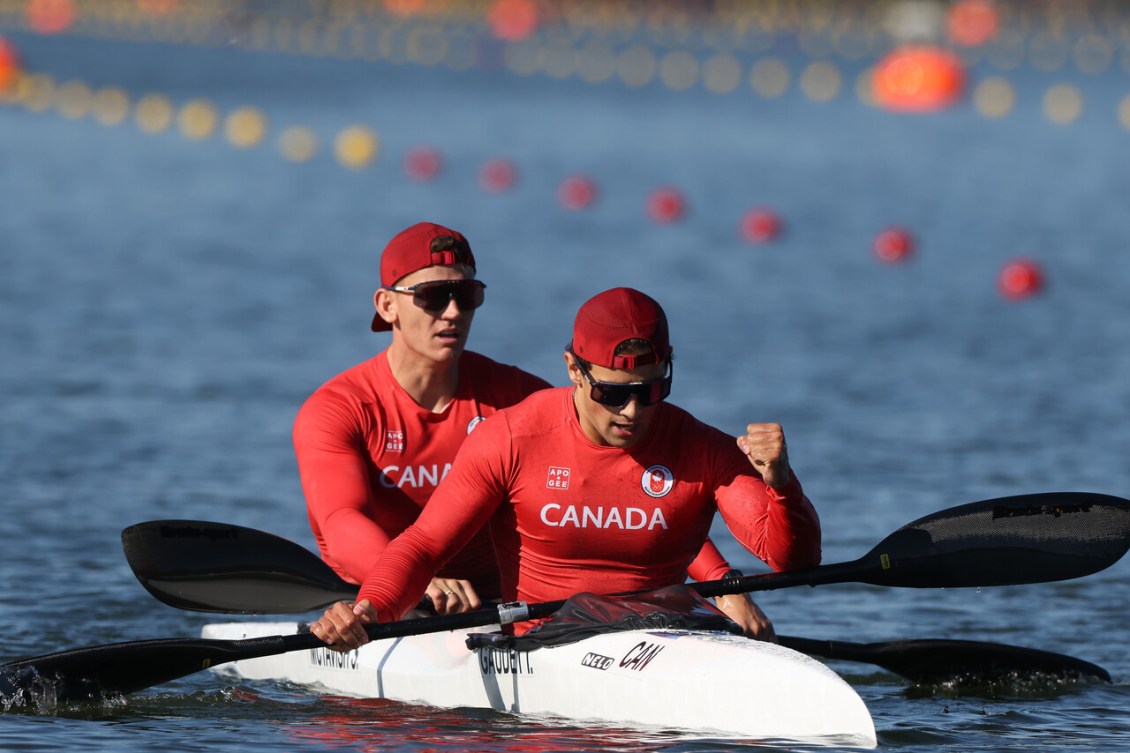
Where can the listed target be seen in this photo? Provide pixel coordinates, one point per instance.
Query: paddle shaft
(1031, 538)
(1010, 540)
(922, 661)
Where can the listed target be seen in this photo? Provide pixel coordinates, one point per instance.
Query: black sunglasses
(617, 394)
(434, 296)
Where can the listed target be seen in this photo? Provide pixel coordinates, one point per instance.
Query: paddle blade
(216, 567)
(98, 672)
(952, 662)
(1031, 538)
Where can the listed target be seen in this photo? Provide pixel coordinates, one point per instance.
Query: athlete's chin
(450, 350)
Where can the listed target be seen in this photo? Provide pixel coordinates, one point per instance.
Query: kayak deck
(711, 684)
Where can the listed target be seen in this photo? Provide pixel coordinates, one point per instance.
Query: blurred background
(898, 228)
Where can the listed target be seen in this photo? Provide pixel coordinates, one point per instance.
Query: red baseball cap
(616, 315)
(416, 248)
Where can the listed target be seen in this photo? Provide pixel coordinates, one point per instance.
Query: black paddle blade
(1031, 538)
(216, 567)
(953, 662)
(96, 673)
(1028, 538)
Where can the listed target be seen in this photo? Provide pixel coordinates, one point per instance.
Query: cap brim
(380, 325)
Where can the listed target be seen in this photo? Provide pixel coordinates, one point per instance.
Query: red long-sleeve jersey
(370, 458)
(567, 515)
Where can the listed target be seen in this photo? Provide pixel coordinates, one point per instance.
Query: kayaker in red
(602, 486)
(374, 441)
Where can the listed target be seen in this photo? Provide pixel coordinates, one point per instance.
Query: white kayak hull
(710, 684)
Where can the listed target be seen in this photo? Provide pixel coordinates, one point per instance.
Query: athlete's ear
(385, 304)
(574, 371)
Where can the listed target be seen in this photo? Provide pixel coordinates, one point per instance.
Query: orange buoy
(404, 8)
(498, 175)
(9, 65)
(918, 78)
(576, 192)
(158, 7)
(1020, 278)
(894, 245)
(666, 205)
(50, 16)
(761, 225)
(972, 23)
(513, 20)
(422, 163)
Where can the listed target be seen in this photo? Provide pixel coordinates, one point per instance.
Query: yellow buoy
(356, 147)
(245, 127)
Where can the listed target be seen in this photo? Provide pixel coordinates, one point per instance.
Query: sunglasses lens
(617, 395)
(472, 296)
(433, 297)
(612, 395)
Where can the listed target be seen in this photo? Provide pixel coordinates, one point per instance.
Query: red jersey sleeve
(780, 526)
(335, 480)
(709, 564)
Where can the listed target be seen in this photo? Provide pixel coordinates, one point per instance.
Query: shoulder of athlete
(489, 376)
(340, 400)
(539, 414)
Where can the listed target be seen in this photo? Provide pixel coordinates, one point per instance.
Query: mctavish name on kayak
(1053, 510)
(324, 657)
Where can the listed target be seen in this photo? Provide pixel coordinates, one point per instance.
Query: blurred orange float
(404, 7)
(918, 78)
(972, 22)
(9, 65)
(50, 16)
(158, 7)
(513, 20)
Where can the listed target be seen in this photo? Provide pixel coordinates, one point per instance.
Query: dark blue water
(166, 305)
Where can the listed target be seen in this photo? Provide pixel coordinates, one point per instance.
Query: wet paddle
(958, 663)
(1027, 539)
(217, 567)
(1030, 538)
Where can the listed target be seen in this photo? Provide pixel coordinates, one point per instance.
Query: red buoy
(918, 78)
(894, 245)
(1020, 278)
(498, 175)
(761, 225)
(576, 192)
(666, 205)
(422, 163)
